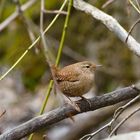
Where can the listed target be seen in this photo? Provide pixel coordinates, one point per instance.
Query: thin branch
(89, 136)
(42, 18)
(79, 129)
(54, 12)
(62, 112)
(120, 110)
(138, 5)
(135, 7)
(2, 113)
(45, 47)
(107, 3)
(123, 121)
(70, 4)
(31, 46)
(8, 20)
(117, 113)
(59, 50)
(46, 53)
(25, 21)
(131, 29)
(110, 23)
(45, 50)
(2, 6)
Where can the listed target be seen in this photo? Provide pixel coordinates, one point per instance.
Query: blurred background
(23, 90)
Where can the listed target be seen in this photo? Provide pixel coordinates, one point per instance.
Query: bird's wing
(67, 76)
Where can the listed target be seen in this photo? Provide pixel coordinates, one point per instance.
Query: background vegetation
(86, 39)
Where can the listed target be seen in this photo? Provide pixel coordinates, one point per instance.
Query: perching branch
(63, 112)
(110, 23)
(117, 113)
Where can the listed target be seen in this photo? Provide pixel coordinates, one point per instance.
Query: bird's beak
(94, 66)
(98, 65)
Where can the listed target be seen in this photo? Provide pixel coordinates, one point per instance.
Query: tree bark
(64, 111)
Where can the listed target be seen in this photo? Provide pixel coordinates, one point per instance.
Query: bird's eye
(86, 66)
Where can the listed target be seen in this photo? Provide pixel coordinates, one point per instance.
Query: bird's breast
(77, 88)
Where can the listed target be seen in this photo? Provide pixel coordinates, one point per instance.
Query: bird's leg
(55, 89)
(73, 104)
(135, 88)
(83, 98)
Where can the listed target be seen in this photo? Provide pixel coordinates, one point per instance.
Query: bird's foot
(136, 87)
(83, 98)
(73, 104)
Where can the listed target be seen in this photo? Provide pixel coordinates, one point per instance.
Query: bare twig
(8, 20)
(122, 108)
(131, 29)
(107, 3)
(123, 121)
(138, 5)
(25, 20)
(45, 49)
(110, 23)
(2, 113)
(62, 112)
(32, 45)
(135, 7)
(79, 129)
(89, 136)
(117, 113)
(2, 5)
(54, 12)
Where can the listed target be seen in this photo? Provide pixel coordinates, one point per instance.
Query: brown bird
(75, 79)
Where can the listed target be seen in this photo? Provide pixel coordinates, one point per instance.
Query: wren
(75, 79)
